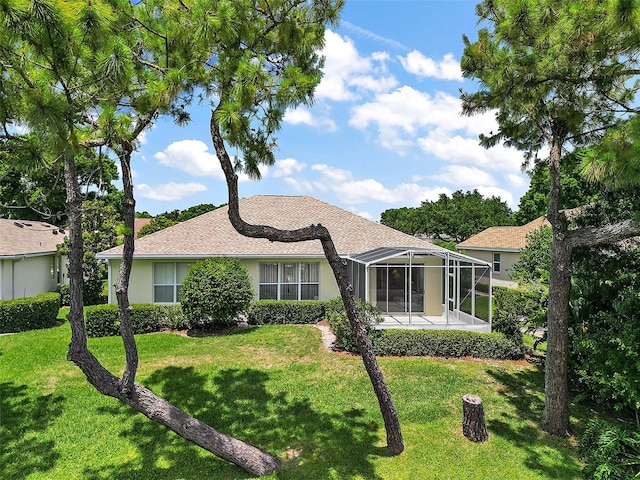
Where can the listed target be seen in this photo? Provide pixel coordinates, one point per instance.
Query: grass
(278, 388)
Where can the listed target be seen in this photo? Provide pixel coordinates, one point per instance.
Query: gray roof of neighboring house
(28, 237)
(212, 234)
(503, 238)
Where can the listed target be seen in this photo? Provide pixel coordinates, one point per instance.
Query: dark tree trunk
(141, 399)
(473, 424)
(556, 411)
(338, 265)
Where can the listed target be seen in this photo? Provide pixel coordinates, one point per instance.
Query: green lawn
(276, 387)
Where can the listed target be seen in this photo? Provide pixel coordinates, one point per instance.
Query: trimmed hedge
(30, 313)
(102, 320)
(446, 343)
(263, 312)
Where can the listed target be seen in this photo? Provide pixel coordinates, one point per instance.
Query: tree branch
(606, 235)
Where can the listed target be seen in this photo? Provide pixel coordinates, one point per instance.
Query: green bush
(30, 313)
(336, 315)
(103, 321)
(515, 309)
(65, 296)
(90, 294)
(610, 452)
(215, 291)
(446, 343)
(285, 311)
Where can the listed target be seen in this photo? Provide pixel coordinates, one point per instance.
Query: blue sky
(385, 130)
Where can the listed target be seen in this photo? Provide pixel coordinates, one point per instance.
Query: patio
(420, 322)
(424, 288)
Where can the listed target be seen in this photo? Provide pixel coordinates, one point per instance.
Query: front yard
(276, 387)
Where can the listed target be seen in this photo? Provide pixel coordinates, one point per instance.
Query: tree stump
(473, 425)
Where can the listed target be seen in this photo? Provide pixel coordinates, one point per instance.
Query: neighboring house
(29, 262)
(138, 223)
(500, 246)
(398, 272)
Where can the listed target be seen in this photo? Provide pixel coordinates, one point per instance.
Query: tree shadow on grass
(312, 443)
(24, 416)
(546, 454)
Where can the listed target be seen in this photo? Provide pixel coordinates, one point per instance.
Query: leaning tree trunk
(141, 399)
(317, 232)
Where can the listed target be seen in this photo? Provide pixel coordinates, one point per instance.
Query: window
(167, 280)
(289, 281)
(496, 262)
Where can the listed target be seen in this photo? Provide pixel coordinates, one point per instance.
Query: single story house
(500, 246)
(29, 261)
(403, 275)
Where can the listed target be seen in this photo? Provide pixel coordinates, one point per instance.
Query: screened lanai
(424, 287)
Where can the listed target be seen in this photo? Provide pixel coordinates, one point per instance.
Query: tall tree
(265, 60)
(80, 77)
(558, 73)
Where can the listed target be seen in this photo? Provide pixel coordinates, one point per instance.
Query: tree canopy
(558, 74)
(454, 217)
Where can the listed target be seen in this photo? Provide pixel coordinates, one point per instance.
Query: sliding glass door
(400, 288)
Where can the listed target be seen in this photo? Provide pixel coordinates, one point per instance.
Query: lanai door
(400, 288)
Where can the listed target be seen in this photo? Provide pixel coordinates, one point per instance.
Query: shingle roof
(27, 237)
(138, 223)
(212, 234)
(507, 238)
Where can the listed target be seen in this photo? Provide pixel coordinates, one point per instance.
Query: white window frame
(297, 283)
(173, 284)
(497, 264)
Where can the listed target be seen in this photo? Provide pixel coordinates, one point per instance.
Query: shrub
(610, 452)
(516, 309)
(336, 315)
(30, 313)
(285, 311)
(215, 291)
(446, 343)
(65, 295)
(103, 321)
(90, 293)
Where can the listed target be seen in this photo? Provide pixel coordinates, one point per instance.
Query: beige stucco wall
(507, 259)
(141, 282)
(26, 277)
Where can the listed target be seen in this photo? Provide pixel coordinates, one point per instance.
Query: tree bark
(246, 456)
(473, 424)
(388, 410)
(555, 418)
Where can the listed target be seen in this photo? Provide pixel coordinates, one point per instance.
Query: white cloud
(352, 191)
(191, 156)
(372, 35)
(422, 66)
(345, 70)
(333, 174)
(299, 185)
(464, 176)
(405, 114)
(303, 116)
(516, 181)
(458, 149)
(169, 191)
(286, 167)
